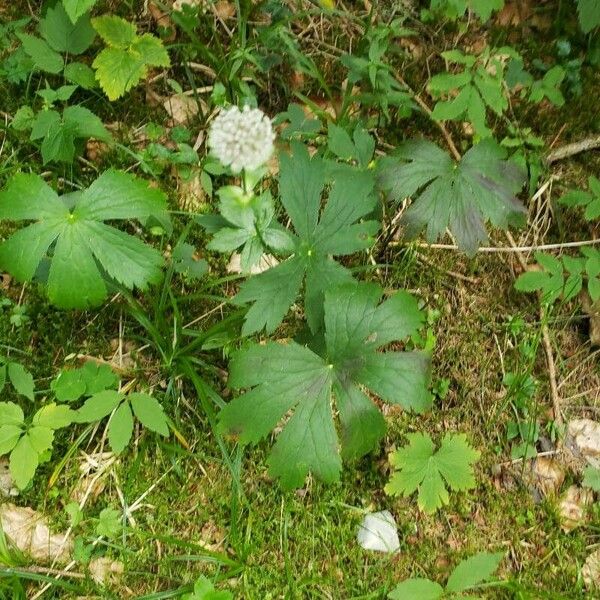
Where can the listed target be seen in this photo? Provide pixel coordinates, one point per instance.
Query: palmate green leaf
(589, 199)
(419, 468)
(459, 196)
(290, 377)
(319, 234)
(82, 250)
(125, 60)
(64, 35)
(417, 589)
(77, 8)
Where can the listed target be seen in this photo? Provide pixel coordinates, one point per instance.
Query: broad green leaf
(335, 230)
(484, 8)
(549, 87)
(41, 438)
(23, 462)
(417, 589)
(9, 436)
(68, 386)
(77, 8)
(53, 416)
(591, 477)
(589, 14)
(459, 196)
(11, 414)
(85, 249)
(473, 571)
(420, 468)
(80, 74)
(150, 413)
(59, 142)
(289, 377)
(62, 34)
(98, 406)
(339, 142)
(42, 55)
(86, 123)
(110, 523)
(21, 379)
(120, 428)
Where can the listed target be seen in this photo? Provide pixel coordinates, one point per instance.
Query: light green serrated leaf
(110, 523)
(115, 31)
(81, 74)
(150, 413)
(21, 379)
(87, 124)
(421, 469)
(117, 71)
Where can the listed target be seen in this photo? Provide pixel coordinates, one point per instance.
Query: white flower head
(241, 139)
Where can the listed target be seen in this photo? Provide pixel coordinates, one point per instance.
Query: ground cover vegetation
(272, 270)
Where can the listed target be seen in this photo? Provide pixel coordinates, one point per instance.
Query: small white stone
(378, 532)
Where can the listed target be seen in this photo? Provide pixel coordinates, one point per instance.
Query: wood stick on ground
(590, 143)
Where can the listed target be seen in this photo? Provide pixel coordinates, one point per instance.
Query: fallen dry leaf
(7, 487)
(266, 262)
(583, 442)
(591, 571)
(27, 530)
(163, 20)
(191, 196)
(181, 108)
(514, 13)
(592, 310)
(548, 475)
(106, 571)
(573, 507)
